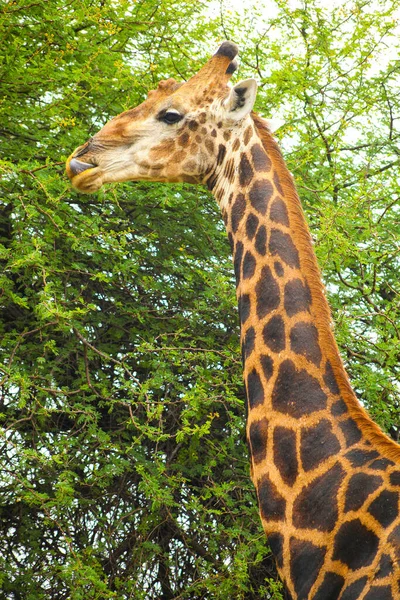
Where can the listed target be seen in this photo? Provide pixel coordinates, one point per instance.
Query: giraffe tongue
(76, 166)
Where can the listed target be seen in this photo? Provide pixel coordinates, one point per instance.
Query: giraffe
(327, 478)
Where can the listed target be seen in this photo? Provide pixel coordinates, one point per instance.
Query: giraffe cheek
(163, 151)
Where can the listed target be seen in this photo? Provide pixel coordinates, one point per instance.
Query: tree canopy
(124, 467)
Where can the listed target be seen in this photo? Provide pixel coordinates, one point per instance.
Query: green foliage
(124, 468)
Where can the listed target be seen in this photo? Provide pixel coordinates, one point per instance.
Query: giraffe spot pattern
(221, 154)
(243, 354)
(210, 145)
(272, 504)
(353, 591)
(355, 545)
(381, 464)
(379, 593)
(260, 194)
(163, 149)
(275, 541)
(261, 162)
(297, 393)
(330, 379)
(237, 212)
(261, 240)
(281, 244)
(245, 170)
(255, 390)
(330, 587)
(350, 431)
(158, 166)
(249, 265)
(395, 478)
(277, 183)
(385, 508)
(247, 135)
(219, 194)
(279, 270)
(258, 435)
(285, 458)
(231, 241)
(267, 293)
(189, 166)
(385, 567)
(306, 560)
(394, 538)
(249, 340)
(274, 334)
(317, 444)
(229, 170)
(267, 365)
(360, 486)
(278, 212)
(211, 181)
(317, 506)
(183, 139)
(304, 341)
(244, 308)
(297, 297)
(251, 225)
(359, 457)
(237, 260)
(338, 408)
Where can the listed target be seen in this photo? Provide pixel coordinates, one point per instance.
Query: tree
(124, 469)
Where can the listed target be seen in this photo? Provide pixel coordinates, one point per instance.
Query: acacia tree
(124, 470)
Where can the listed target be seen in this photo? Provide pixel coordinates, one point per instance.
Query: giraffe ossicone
(327, 478)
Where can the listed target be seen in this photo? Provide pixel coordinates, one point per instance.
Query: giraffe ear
(241, 99)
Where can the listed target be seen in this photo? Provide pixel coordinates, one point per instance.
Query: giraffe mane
(385, 444)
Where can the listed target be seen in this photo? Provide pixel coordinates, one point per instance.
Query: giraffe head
(176, 134)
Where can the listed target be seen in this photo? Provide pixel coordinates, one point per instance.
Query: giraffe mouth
(85, 177)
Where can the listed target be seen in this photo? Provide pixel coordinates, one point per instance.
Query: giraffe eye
(170, 117)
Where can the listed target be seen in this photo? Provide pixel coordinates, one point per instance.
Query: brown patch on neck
(309, 267)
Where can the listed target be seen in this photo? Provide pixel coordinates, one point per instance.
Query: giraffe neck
(285, 319)
(302, 412)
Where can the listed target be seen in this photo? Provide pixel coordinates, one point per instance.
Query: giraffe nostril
(76, 166)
